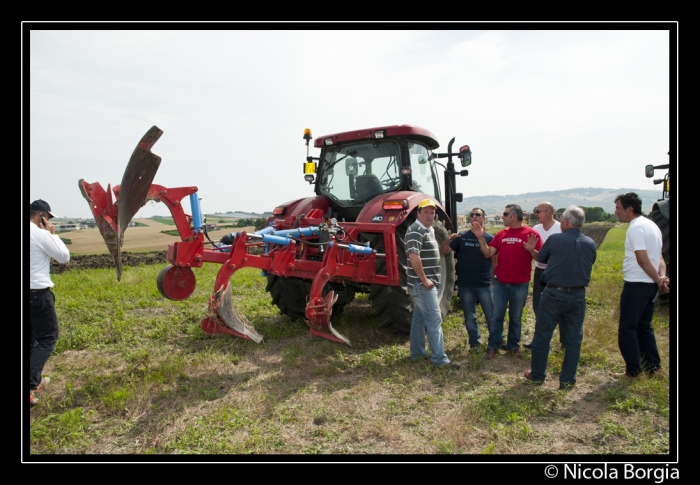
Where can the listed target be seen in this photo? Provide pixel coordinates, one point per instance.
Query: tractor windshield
(423, 176)
(355, 174)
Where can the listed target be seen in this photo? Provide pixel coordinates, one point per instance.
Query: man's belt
(566, 288)
(32, 290)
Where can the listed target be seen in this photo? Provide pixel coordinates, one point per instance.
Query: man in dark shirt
(569, 257)
(474, 277)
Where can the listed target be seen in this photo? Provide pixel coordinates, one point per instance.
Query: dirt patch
(95, 261)
(597, 232)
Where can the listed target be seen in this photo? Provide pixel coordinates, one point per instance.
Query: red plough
(314, 264)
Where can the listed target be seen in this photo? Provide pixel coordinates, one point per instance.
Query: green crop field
(133, 373)
(164, 220)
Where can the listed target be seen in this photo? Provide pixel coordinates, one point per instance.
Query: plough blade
(137, 178)
(223, 306)
(113, 218)
(136, 182)
(104, 210)
(319, 313)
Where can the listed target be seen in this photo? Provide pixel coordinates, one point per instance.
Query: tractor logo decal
(391, 218)
(378, 218)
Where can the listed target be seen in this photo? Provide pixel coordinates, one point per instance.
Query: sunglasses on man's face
(506, 214)
(475, 214)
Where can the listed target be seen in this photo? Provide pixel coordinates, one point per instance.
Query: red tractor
(316, 252)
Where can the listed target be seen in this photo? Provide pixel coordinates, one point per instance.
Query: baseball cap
(41, 205)
(426, 203)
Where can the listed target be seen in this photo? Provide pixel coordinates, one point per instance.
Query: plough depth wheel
(176, 282)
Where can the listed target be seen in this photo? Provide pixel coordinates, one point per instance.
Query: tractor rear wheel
(291, 294)
(662, 222)
(392, 304)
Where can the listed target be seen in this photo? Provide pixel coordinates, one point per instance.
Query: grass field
(134, 374)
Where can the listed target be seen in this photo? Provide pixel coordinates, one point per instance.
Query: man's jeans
(568, 309)
(537, 288)
(43, 333)
(513, 296)
(468, 297)
(427, 318)
(635, 336)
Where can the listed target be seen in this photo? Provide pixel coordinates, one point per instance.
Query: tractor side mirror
(350, 166)
(465, 156)
(649, 171)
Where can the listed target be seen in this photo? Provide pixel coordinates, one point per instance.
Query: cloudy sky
(541, 109)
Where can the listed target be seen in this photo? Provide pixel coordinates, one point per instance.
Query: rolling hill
(587, 197)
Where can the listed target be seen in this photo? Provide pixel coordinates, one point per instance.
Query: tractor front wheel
(392, 304)
(291, 294)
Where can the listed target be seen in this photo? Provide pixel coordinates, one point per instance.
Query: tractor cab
(357, 166)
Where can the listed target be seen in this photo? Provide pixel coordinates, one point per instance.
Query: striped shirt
(421, 240)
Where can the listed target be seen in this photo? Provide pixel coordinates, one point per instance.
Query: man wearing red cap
(44, 244)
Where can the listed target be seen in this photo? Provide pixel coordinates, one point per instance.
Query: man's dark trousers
(43, 330)
(635, 335)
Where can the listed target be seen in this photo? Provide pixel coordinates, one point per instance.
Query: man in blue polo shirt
(474, 277)
(569, 257)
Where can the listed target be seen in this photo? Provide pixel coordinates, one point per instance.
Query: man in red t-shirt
(512, 276)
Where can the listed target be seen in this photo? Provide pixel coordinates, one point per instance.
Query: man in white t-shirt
(645, 274)
(546, 226)
(44, 245)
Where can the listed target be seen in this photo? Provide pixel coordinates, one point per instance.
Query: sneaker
(33, 401)
(451, 365)
(44, 382)
(565, 386)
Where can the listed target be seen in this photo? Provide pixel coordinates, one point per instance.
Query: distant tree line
(595, 214)
(258, 223)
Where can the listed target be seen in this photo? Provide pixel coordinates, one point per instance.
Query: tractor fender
(662, 206)
(373, 211)
(310, 207)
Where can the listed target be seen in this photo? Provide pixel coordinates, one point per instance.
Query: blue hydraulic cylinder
(266, 230)
(283, 241)
(299, 231)
(196, 213)
(354, 248)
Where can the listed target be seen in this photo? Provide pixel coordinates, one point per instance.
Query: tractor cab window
(423, 175)
(355, 174)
